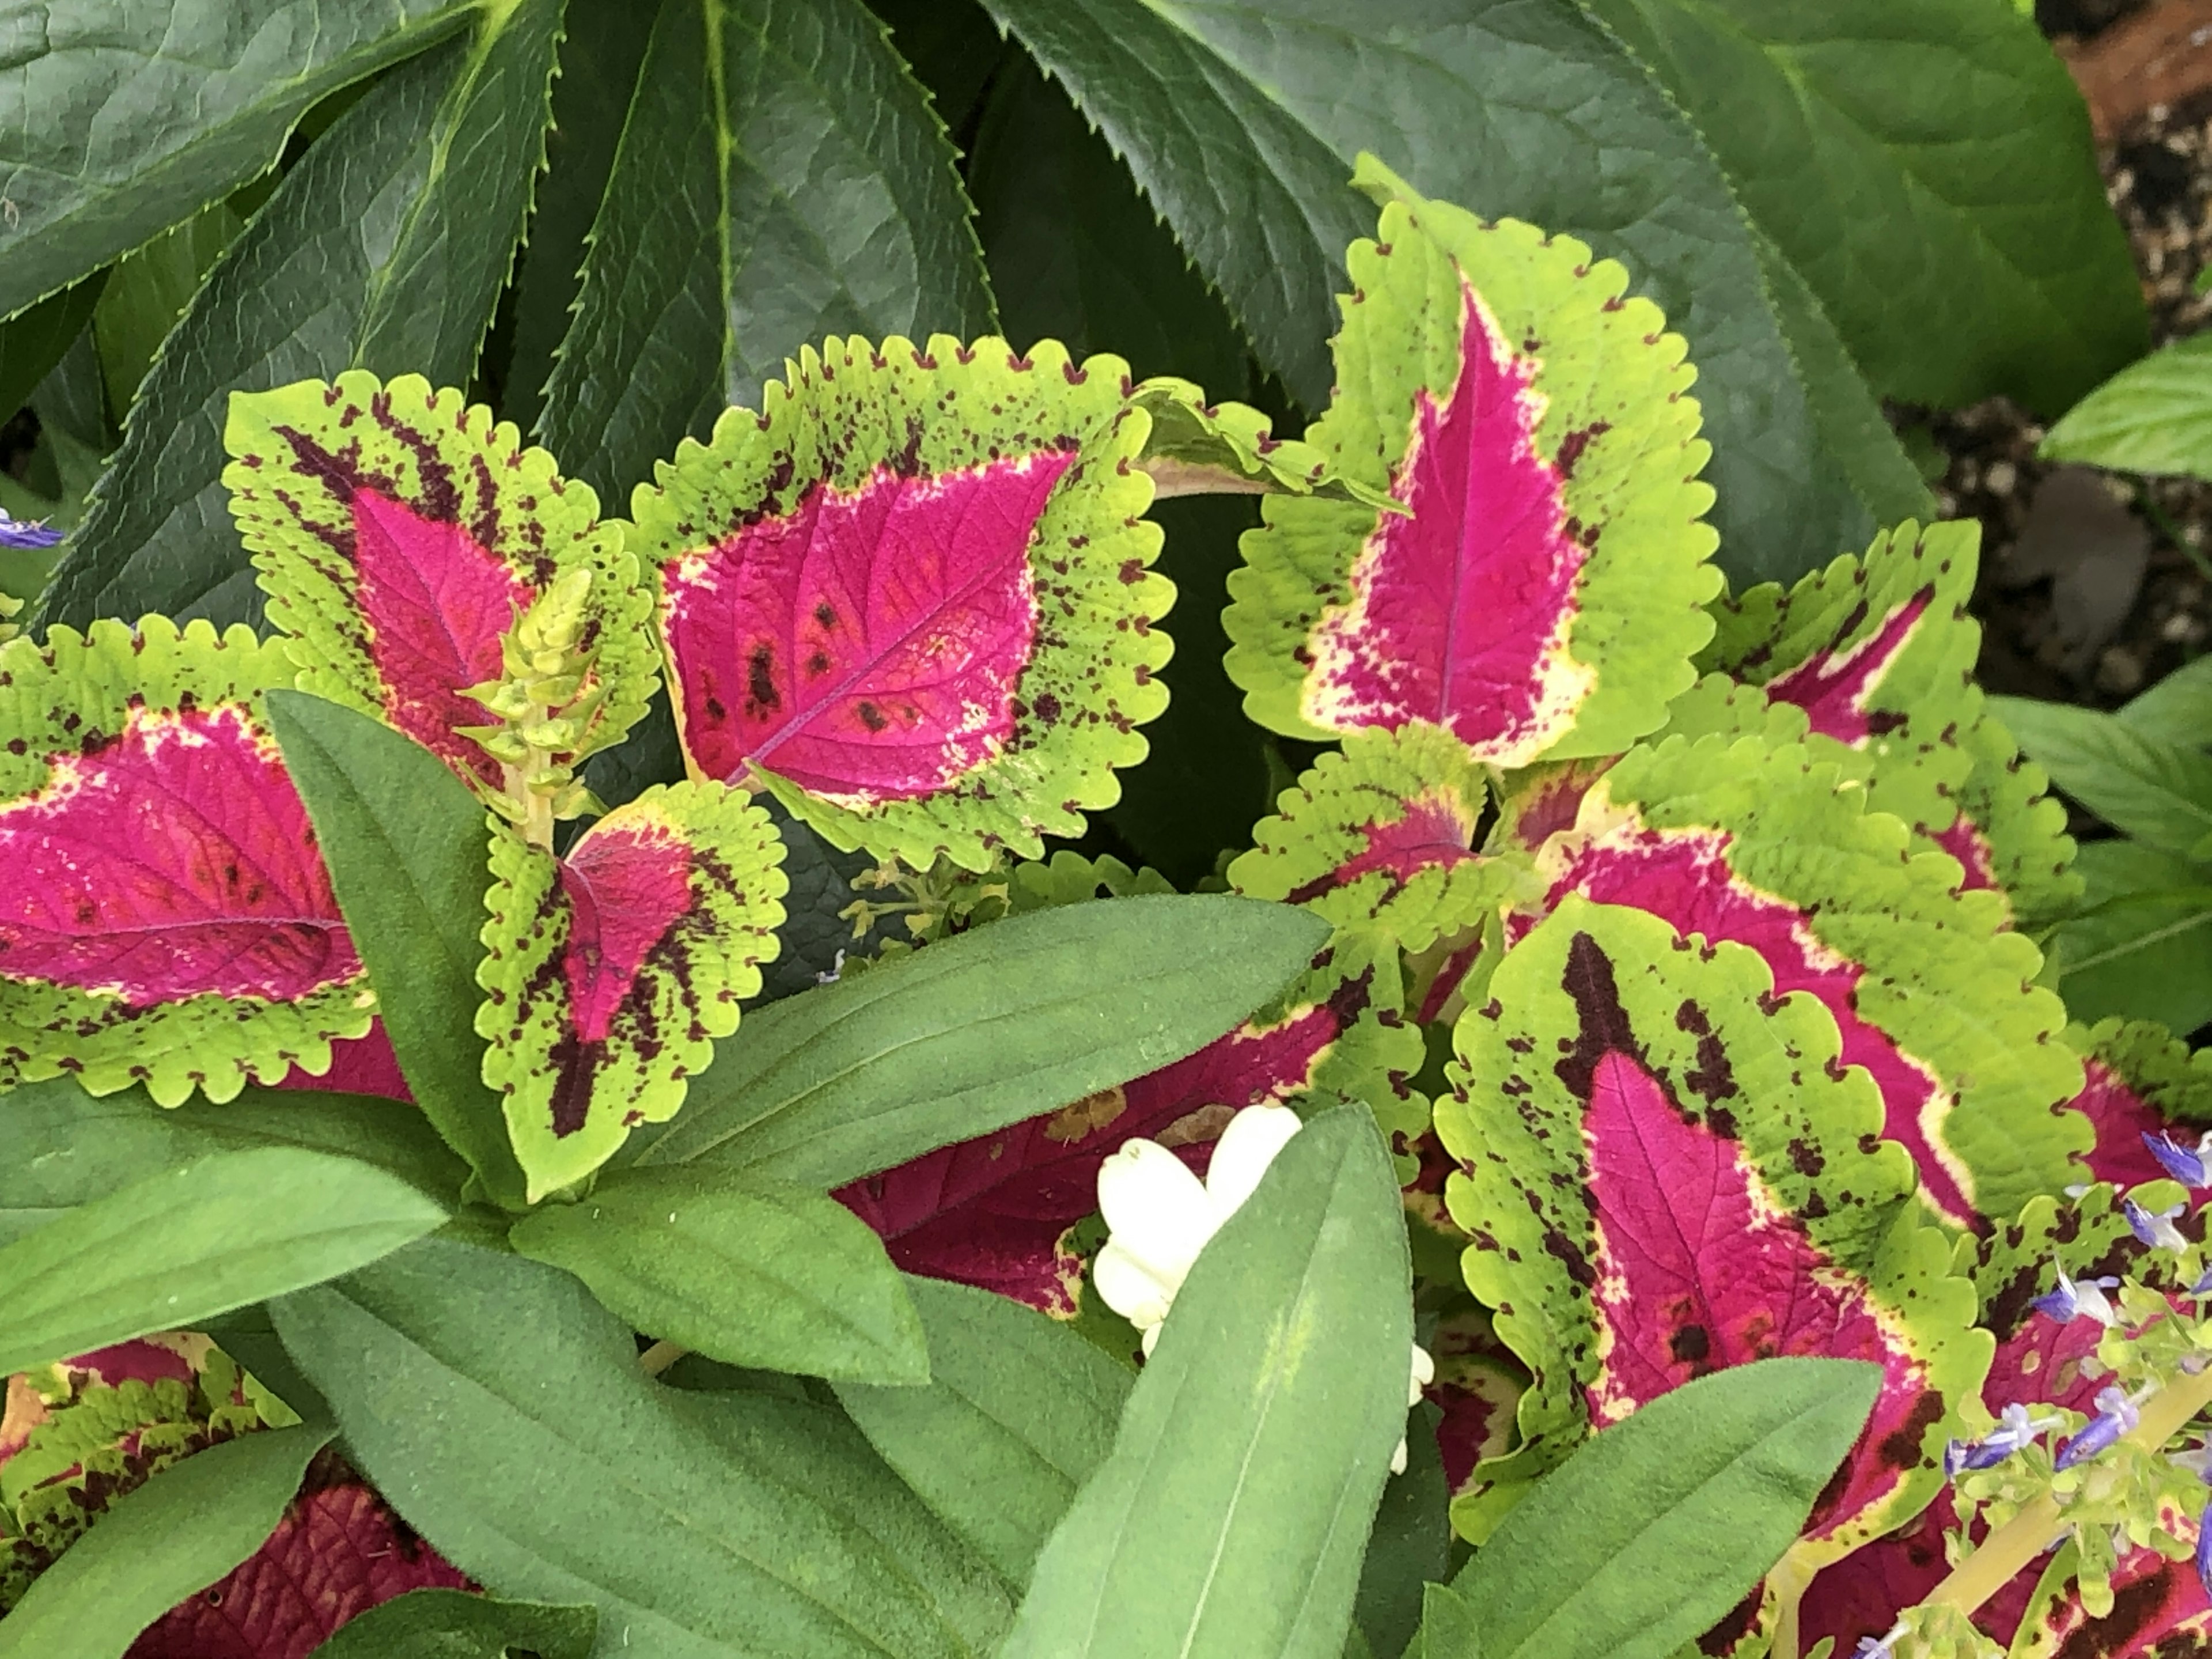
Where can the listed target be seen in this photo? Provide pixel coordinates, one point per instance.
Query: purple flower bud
(2184, 1163)
(1882, 1648)
(2203, 1285)
(2205, 1549)
(2156, 1230)
(16, 533)
(2015, 1431)
(2072, 1301)
(2116, 1415)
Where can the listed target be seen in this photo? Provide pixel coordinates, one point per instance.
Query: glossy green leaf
(979, 1031)
(1241, 124)
(2140, 943)
(223, 1230)
(1927, 165)
(405, 840)
(1017, 1411)
(2153, 416)
(446, 1624)
(781, 178)
(171, 1538)
(118, 123)
(2178, 710)
(2159, 793)
(502, 1412)
(745, 1271)
(31, 344)
(1661, 1524)
(1232, 1515)
(386, 248)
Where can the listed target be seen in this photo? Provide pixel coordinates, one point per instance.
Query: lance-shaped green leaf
(224, 1230)
(121, 125)
(174, 1536)
(165, 914)
(743, 1270)
(781, 178)
(1381, 834)
(1232, 1512)
(1196, 446)
(502, 1412)
(451, 1624)
(609, 972)
(399, 533)
(1771, 845)
(2157, 792)
(2154, 417)
(912, 596)
(1540, 595)
(1669, 1169)
(444, 149)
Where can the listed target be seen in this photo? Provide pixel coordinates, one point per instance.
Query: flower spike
(2156, 1230)
(2186, 1165)
(2016, 1431)
(2070, 1301)
(27, 535)
(2116, 1416)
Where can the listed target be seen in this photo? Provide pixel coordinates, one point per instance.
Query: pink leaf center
(1833, 686)
(171, 860)
(626, 887)
(1436, 833)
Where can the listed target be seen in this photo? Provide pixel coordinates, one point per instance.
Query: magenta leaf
(2138, 1081)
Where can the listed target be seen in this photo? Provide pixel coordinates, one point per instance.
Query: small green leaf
(405, 842)
(1231, 1517)
(745, 1271)
(2140, 944)
(447, 1623)
(228, 1229)
(982, 1030)
(2159, 792)
(2154, 417)
(1650, 1532)
(172, 1538)
(1017, 1411)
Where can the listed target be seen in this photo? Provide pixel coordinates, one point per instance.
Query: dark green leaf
(1231, 1514)
(1927, 165)
(149, 289)
(445, 1624)
(171, 1538)
(976, 1032)
(2159, 793)
(814, 932)
(951, 48)
(781, 178)
(745, 1271)
(119, 123)
(502, 1412)
(2140, 945)
(224, 1230)
(404, 840)
(1241, 124)
(2178, 710)
(2156, 417)
(33, 342)
(386, 248)
(1411, 1545)
(1017, 1411)
(1652, 1531)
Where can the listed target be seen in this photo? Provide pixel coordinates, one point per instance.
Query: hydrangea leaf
(1231, 447)
(165, 917)
(398, 532)
(1381, 834)
(1879, 652)
(1772, 846)
(608, 973)
(1540, 594)
(913, 597)
(1669, 1171)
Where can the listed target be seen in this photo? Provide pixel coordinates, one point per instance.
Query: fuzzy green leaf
(781, 178)
(609, 972)
(501, 1411)
(445, 1624)
(222, 1231)
(2154, 417)
(1231, 1517)
(745, 1271)
(979, 1031)
(446, 146)
(172, 1538)
(1018, 1413)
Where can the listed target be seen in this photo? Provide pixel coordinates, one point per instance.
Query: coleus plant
(467, 1137)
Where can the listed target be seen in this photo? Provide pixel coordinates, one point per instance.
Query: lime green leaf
(446, 1624)
(172, 1538)
(609, 972)
(2140, 945)
(1196, 446)
(227, 1229)
(502, 1412)
(444, 149)
(745, 1271)
(1017, 1411)
(781, 178)
(2178, 708)
(405, 840)
(976, 1032)
(2159, 793)
(1654, 1529)
(2154, 417)
(1232, 1512)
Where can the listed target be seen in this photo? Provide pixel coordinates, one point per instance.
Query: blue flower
(1885, 1648)
(2116, 1415)
(2156, 1230)
(2186, 1165)
(2015, 1431)
(15, 532)
(2205, 1549)
(2070, 1301)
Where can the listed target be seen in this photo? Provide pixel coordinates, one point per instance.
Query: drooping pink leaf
(868, 644)
(359, 1065)
(172, 859)
(625, 889)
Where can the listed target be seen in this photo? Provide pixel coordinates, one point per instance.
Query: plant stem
(2028, 1533)
(536, 809)
(659, 1356)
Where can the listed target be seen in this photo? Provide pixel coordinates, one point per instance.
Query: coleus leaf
(165, 916)
(608, 973)
(1540, 594)
(1231, 448)
(399, 532)
(2138, 1081)
(1668, 1169)
(1771, 845)
(911, 597)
